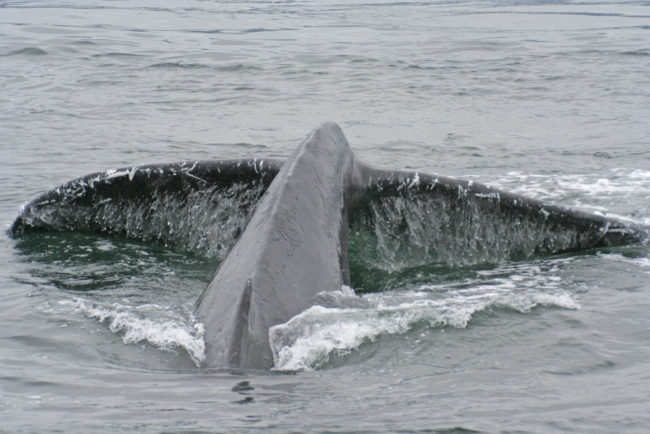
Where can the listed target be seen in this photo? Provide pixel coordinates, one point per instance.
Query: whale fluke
(197, 206)
(282, 229)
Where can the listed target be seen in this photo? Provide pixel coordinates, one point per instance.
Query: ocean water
(548, 99)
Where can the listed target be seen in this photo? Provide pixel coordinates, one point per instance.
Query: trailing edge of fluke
(290, 240)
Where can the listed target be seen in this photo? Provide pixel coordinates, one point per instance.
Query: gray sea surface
(549, 99)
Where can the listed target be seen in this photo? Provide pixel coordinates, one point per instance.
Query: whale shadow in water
(282, 228)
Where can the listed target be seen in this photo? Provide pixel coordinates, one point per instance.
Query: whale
(282, 229)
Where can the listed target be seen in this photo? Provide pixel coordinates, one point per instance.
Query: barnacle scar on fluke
(282, 228)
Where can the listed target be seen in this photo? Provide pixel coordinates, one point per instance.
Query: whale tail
(282, 230)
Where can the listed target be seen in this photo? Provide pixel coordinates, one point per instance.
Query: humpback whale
(282, 229)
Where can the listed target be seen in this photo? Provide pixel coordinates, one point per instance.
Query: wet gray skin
(281, 229)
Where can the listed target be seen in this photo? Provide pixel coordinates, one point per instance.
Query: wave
(596, 187)
(27, 51)
(150, 323)
(344, 321)
(178, 65)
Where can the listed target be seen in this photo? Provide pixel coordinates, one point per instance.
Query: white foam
(609, 186)
(308, 340)
(166, 333)
(642, 262)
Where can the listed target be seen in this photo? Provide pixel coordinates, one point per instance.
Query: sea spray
(150, 322)
(312, 338)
